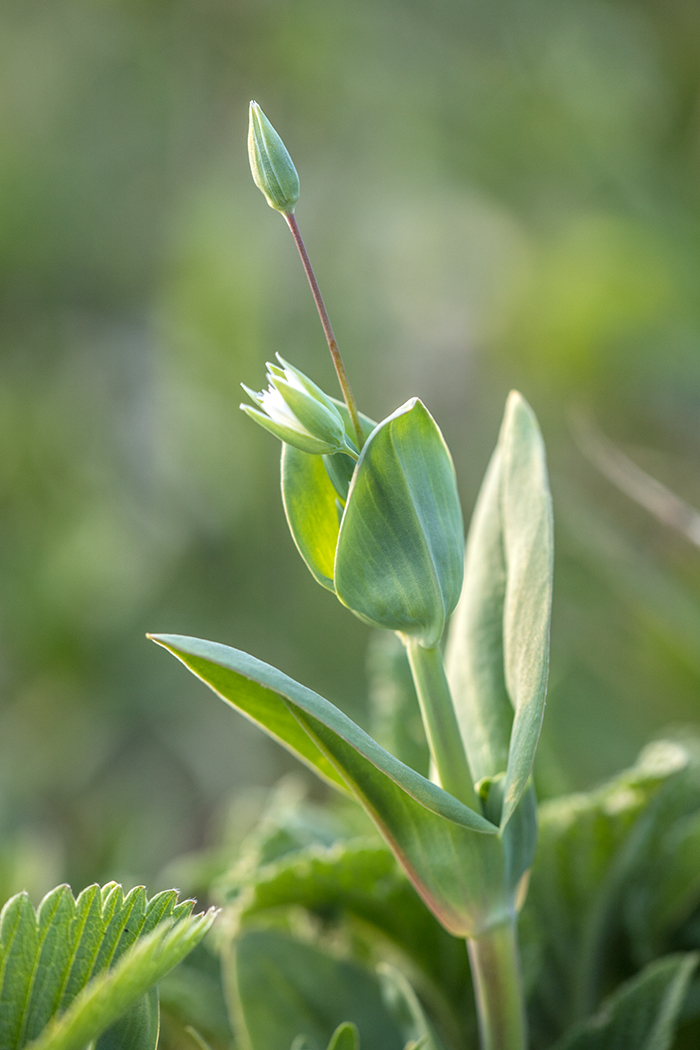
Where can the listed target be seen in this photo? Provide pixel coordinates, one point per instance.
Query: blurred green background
(495, 193)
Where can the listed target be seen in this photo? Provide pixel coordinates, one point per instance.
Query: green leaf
(281, 988)
(138, 1029)
(642, 1014)
(425, 827)
(113, 991)
(597, 853)
(310, 504)
(47, 958)
(359, 880)
(498, 649)
(399, 560)
(345, 1037)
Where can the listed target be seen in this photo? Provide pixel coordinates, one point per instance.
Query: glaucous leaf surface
(498, 649)
(642, 1014)
(75, 966)
(399, 559)
(425, 827)
(311, 504)
(281, 989)
(596, 884)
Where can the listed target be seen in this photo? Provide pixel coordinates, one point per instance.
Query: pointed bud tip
(272, 167)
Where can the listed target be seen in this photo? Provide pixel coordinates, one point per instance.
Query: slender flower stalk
(327, 328)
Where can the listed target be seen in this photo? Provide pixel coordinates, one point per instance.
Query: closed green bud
(399, 561)
(272, 167)
(298, 412)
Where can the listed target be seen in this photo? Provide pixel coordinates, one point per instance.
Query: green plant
(374, 512)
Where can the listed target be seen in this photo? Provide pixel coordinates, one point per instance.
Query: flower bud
(272, 167)
(298, 412)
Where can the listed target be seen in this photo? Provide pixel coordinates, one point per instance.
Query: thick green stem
(498, 988)
(440, 721)
(327, 329)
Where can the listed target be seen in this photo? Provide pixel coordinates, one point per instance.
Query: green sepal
(498, 648)
(399, 560)
(301, 440)
(425, 827)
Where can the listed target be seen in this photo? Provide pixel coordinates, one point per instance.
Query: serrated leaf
(106, 998)
(498, 649)
(281, 989)
(425, 827)
(47, 957)
(642, 1014)
(399, 559)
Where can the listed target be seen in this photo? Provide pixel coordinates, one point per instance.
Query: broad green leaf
(358, 880)
(106, 998)
(281, 989)
(345, 1037)
(310, 504)
(48, 957)
(642, 1014)
(399, 560)
(425, 827)
(498, 650)
(138, 1029)
(595, 854)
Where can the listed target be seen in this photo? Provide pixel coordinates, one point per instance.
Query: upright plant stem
(440, 723)
(327, 329)
(498, 988)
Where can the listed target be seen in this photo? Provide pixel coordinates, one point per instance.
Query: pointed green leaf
(281, 989)
(642, 1014)
(110, 994)
(345, 1037)
(425, 827)
(310, 504)
(399, 560)
(498, 650)
(47, 958)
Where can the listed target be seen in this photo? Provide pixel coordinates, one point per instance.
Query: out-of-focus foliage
(494, 195)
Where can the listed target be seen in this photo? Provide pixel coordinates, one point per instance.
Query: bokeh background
(495, 193)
